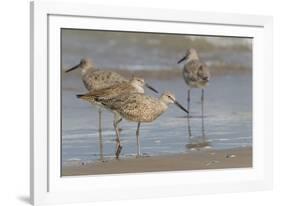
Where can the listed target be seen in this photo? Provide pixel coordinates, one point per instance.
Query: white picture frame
(47, 186)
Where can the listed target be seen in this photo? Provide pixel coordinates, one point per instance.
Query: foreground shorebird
(95, 79)
(138, 108)
(196, 75)
(98, 97)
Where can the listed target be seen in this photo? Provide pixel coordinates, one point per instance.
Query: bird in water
(136, 107)
(196, 74)
(135, 85)
(95, 79)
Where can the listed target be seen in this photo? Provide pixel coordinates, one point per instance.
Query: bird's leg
(100, 135)
(138, 142)
(100, 120)
(188, 100)
(202, 102)
(117, 120)
(188, 117)
(202, 111)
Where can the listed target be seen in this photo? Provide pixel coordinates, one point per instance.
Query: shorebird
(138, 108)
(95, 79)
(196, 75)
(98, 97)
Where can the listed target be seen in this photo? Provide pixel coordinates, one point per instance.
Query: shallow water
(228, 121)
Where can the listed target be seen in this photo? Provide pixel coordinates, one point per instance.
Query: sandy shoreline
(195, 160)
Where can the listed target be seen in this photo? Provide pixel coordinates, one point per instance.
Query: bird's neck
(138, 88)
(85, 70)
(164, 105)
(192, 57)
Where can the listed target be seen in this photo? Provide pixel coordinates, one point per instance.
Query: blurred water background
(228, 98)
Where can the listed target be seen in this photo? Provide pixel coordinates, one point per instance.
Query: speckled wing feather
(111, 92)
(100, 79)
(191, 69)
(196, 73)
(136, 107)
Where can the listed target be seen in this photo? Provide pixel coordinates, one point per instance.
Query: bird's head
(140, 83)
(169, 98)
(190, 54)
(85, 64)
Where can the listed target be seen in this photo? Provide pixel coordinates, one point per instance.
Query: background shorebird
(99, 97)
(196, 75)
(138, 108)
(95, 79)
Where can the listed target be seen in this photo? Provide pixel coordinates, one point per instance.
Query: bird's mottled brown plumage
(195, 73)
(137, 107)
(95, 79)
(135, 85)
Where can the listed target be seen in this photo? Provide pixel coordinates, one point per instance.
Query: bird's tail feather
(79, 95)
(84, 97)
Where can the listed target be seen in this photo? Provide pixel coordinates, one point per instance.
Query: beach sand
(194, 160)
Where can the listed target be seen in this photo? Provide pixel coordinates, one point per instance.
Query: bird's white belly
(196, 84)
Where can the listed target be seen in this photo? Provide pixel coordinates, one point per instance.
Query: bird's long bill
(182, 59)
(180, 106)
(151, 88)
(73, 68)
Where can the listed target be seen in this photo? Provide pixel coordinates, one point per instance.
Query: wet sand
(195, 160)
